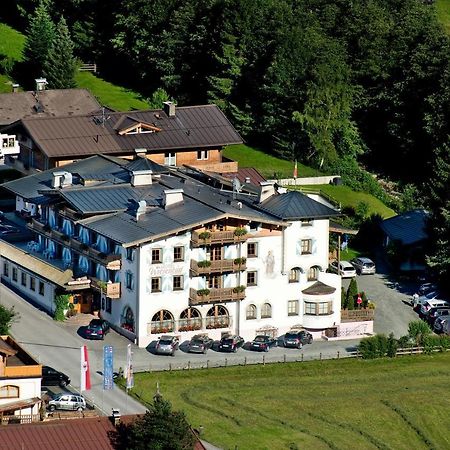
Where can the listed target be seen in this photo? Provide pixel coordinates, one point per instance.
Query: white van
(435, 303)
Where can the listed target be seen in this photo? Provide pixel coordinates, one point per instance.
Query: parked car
(230, 343)
(97, 329)
(68, 402)
(363, 266)
(262, 343)
(297, 339)
(200, 343)
(440, 321)
(52, 377)
(344, 269)
(426, 288)
(167, 345)
(417, 301)
(433, 313)
(429, 304)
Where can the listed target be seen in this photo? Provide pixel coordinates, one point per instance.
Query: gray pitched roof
(141, 163)
(294, 205)
(49, 103)
(408, 228)
(319, 288)
(192, 127)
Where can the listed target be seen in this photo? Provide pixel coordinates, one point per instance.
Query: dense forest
(337, 84)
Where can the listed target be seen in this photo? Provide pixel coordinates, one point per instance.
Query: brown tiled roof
(49, 103)
(74, 434)
(247, 172)
(319, 288)
(90, 134)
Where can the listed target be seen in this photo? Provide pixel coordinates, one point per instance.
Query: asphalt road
(55, 345)
(58, 344)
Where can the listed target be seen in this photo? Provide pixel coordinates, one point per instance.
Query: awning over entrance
(20, 404)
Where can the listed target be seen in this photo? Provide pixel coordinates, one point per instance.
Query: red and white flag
(295, 169)
(85, 383)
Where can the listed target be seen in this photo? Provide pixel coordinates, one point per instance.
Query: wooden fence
(88, 67)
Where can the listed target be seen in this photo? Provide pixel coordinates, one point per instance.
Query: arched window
(266, 311)
(190, 319)
(162, 322)
(251, 312)
(294, 275)
(127, 319)
(313, 273)
(9, 391)
(217, 317)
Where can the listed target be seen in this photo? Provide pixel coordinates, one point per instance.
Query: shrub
(240, 231)
(204, 263)
(417, 330)
(7, 317)
(392, 346)
(344, 304)
(365, 302)
(61, 304)
(239, 261)
(238, 289)
(204, 235)
(352, 294)
(373, 346)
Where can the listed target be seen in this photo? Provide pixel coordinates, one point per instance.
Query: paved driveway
(55, 345)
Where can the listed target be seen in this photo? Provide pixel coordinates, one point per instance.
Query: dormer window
(139, 128)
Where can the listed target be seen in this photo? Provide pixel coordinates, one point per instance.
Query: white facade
(26, 388)
(9, 145)
(273, 295)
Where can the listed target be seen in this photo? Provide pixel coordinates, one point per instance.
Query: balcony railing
(111, 290)
(194, 324)
(111, 260)
(216, 295)
(220, 266)
(216, 237)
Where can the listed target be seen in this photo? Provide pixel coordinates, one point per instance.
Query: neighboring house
(174, 136)
(75, 433)
(20, 383)
(159, 251)
(406, 235)
(15, 106)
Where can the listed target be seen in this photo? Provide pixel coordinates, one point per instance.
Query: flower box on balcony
(204, 235)
(238, 289)
(190, 328)
(203, 264)
(240, 232)
(203, 292)
(239, 261)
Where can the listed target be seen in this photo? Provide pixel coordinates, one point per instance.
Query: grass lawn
(340, 404)
(108, 94)
(266, 164)
(347, 197)
(443, 10)
(11, 42)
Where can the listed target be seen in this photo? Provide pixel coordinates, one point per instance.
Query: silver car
(167, 345)
(363, 266)
(68, 402)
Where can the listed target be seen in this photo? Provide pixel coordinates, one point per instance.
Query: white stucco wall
(28, 388)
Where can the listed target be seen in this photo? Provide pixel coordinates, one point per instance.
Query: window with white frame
(294, 275)
(14, 274)
(250, 313)
(266, 311)
(9, 391)
(202, 155)
(178, 253)
(252, 250)
(293, 307)
(156, 284)
(306, 246)
(41, 288)
(5, 269)
(318, 308)
(130, 254)
(32, 283)
(23, 278)
(252, 278)
(178, 282)
(170, 159)
(156, 255)
(313, 273)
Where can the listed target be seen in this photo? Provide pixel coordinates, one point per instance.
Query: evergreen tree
(344, 303)
(61, 65)
(160, 428)
(39, 40)
(7, 317)
(352, 294)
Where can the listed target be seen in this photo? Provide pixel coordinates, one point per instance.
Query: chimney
(61, 179)
(140, 151)
(267, 190)
(15, 87)
(172, 197)
(40, 84)
(169, 108)
(115, 416)
(141, 209)
(141, 177)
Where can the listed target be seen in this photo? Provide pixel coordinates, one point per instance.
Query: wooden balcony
(111, 261)
(221, 295)
(70, 214)
(28, 371)
(111, 290)
(220, 266)
(217, 237)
